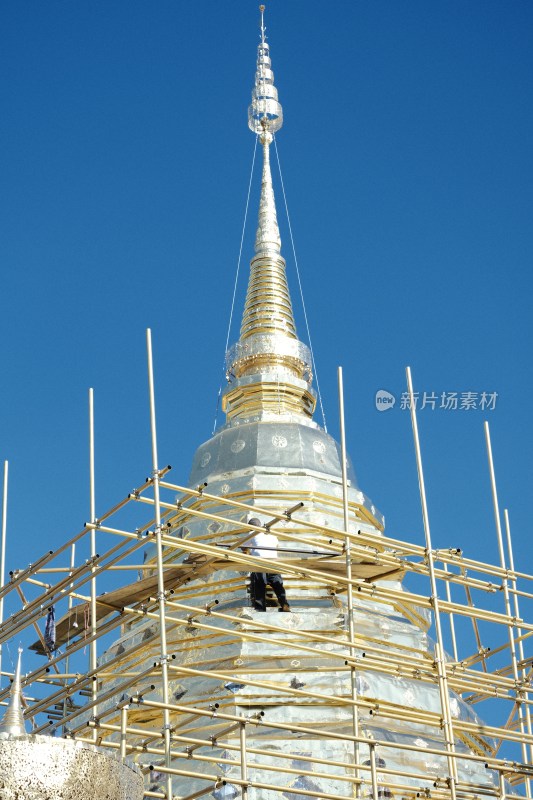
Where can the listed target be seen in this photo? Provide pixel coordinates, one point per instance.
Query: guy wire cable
(301, 290)
(236, 281)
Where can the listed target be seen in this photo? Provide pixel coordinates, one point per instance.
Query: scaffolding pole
(3, 557)
(349, 591)
(439, 647)
(161, 596)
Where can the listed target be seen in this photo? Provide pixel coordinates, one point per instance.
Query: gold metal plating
(254, 399)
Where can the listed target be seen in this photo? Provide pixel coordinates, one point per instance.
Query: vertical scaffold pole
(507, 599)
(518, 630)
(123, 730)
(3, 554)
(159, 551)
(244, 760)
(67, 659)
(451, 620)
(439, 647)
(349, 591)
(501, 785)
(93, 658)
(373, 772)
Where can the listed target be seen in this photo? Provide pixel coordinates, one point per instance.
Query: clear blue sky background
(407, 162)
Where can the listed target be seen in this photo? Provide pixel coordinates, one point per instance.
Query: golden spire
(267, 237)
(268, 306)
(13, 720)
(269, 369)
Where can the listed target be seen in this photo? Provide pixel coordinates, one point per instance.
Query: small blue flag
(50, 630)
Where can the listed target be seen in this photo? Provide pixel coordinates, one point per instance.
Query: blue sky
(407, 162)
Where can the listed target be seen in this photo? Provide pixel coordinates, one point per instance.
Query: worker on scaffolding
(264, 545)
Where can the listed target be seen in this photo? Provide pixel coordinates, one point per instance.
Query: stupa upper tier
(265, 111)
(269, 369)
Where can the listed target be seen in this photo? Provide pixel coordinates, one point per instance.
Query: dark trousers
(258, 584)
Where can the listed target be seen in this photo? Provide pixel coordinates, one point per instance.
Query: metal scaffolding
(134, 637)
(152, 649)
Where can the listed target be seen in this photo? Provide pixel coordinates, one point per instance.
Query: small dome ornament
(13, 721)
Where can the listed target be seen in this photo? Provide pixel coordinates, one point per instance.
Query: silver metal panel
(286, 446)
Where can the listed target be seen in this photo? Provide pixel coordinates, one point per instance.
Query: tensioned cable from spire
(236, 279)
(240, 248)
(301, 290)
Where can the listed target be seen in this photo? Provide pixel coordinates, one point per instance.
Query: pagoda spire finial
(265, 112)
(265, 117)
(263, 29)
(269, 369)
(268, 305)
(13, 720)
